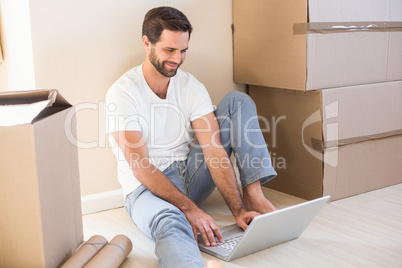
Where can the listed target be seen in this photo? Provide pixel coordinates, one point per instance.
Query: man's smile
(172, 65)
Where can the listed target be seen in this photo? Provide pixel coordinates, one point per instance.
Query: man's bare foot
(213, 264)
(254, 199)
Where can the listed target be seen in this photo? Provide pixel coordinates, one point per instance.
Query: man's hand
(202, 223)
(244, 218)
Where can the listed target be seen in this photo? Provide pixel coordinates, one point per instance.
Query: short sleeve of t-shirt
(199, 101)
(122, 112)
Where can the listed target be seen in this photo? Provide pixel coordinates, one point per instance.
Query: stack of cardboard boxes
(326, 77)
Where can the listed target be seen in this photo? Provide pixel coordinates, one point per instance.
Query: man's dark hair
(161, 18)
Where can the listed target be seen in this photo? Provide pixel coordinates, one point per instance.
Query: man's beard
(160, 66)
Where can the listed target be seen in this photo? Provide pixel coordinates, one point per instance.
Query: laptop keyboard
(229, 244)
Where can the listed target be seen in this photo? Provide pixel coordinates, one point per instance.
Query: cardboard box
(362, 167)
(340, 141)
(41, 221)
(316, 44)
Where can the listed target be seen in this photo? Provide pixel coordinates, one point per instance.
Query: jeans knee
(236, 95)
(170, 221)
(236, 99)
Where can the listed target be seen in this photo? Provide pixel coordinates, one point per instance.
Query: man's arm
(206, 129)
(136, 152)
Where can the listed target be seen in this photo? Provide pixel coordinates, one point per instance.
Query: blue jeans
(166, 224)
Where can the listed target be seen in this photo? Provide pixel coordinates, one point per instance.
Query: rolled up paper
(113, 254)
(86, 252)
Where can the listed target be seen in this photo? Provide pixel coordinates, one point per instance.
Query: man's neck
(157, 82)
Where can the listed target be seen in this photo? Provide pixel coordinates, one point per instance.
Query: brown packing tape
(319, 145)
(113, 254)
(337, 27)
(86, 252)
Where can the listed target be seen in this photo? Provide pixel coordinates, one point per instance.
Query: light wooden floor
(360, 231)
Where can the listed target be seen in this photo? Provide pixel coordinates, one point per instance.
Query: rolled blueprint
(86, 252)
(113, 254)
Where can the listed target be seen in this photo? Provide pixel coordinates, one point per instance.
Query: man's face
(169, 52)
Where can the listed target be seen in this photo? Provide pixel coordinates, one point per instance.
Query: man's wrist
(187, 206)
(237, 212)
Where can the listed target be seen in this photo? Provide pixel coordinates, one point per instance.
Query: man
(153, 112)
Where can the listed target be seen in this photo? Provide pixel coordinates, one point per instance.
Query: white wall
(82, 47)
(16, 71)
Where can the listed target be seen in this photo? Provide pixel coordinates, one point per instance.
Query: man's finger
(242, 225)
(204, 237)
(217, 232)
(211, 236)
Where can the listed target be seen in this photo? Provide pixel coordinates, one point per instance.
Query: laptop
(265, 230)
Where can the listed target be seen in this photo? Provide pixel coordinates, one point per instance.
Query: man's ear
(147, 44)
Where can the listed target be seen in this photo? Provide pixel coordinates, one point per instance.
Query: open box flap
(25, 107)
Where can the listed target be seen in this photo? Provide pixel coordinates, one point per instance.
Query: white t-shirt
(164, 123)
